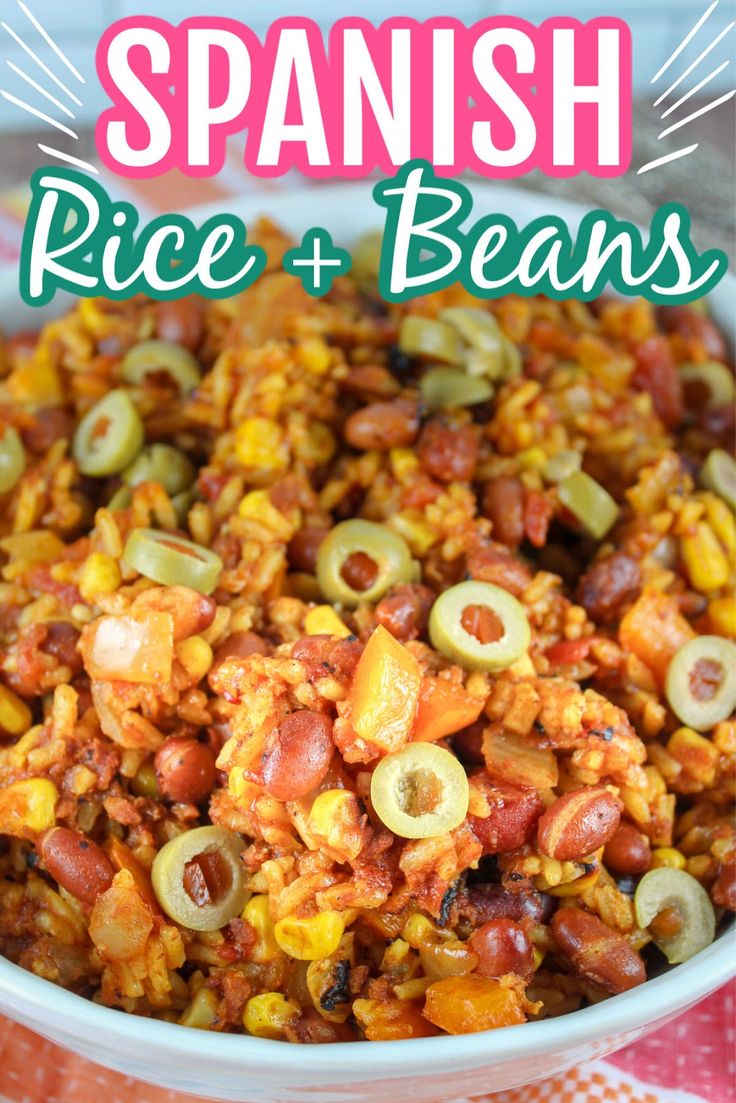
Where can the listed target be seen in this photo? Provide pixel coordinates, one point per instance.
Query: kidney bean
(492, 901)
(185, 770)
(724, 889)
(514, 813)
(627, 851)
(297, 754)
(609, 585)
(239, 646)
(448, 453)
(502, 946)
(383, 425)
(181, 322)
(404, 611)
(695, 328)
(191, 611)
(497, 565)
(370, 381)
(578, 823)
(468, 744)
(303, 548)
(76, 863)
(61, 642)
(597, 952)
(656, 373)
(503, 505)
(49, 425)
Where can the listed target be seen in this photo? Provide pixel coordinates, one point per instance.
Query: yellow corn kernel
(15, 716)
(268, 1015)
(704, 558)
(195, 655)
(314, 355)
(696, 754)
(316, 446)
(574, 888)
(418, 533)
(324, 621)
(722, 521)
(100, 575)
(533, 458)
(259, 444)
(258, 914)
(202, 1011)
(335, 821)
(404, 463)
(310, 937)
(667, 856)
(722, 615)
(724, 737)
(257, 506)
(420, 932)
(27, 808)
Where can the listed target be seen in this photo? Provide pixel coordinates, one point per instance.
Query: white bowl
(234, 1067)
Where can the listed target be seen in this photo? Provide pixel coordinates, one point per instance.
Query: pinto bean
(502, 946)
(323, 655)
(695, 328)
(303, 548)
(181, 322)
(449, 453)
(370, 381)
(383, 425)
(578, 823)
(61, 642)
(656, 373)
(628, 851)
(185, 770)
(298, 754)
(597, 952)
(191, 611)
(487, 902)
(503, 505)
(76, 863)
(239, 646)
(497, 565)
(404, 611)
(514, 813)
(609, 585)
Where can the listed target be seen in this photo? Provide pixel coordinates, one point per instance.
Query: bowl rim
(661, 997)
(34, 999)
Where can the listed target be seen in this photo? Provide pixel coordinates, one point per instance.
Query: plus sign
(315, 253)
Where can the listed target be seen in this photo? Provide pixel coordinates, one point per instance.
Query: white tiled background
(657, 25)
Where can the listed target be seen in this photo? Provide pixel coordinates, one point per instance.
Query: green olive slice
(486, 353)
(701, 682)
(121, 499)
(429, 339)
(387, 551)
(562, 464)
(665, 887)
(108, 436)
(420, 791)
(708, 386)
(164, 464)
(152, 358)
(589, 502)
(12, 459)
(443, 388)
(171, 560)
(198, 878)
(718, 474)
(498, 607)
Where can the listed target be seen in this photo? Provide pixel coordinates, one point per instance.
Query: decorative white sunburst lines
(51, 96)
(691, 34)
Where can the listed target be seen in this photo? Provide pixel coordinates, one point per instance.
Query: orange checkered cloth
(691, 1060)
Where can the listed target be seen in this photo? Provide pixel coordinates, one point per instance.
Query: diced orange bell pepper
(389, 1020)
(465, 1004)
(445, 707)
(655, 629)
(385, 692)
